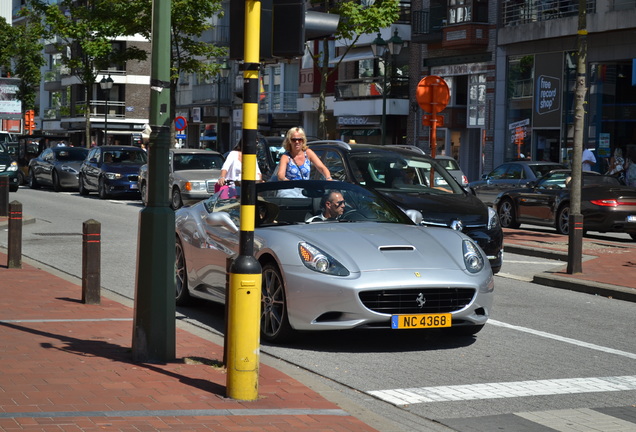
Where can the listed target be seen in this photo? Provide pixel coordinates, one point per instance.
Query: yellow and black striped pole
(244, 296)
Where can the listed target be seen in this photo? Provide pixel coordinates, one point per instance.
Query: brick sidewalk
(66, 366)
(605, 263)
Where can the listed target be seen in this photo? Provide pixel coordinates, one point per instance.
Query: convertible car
(606, 205)
(372, 267)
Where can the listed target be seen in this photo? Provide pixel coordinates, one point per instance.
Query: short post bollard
(91, 262)
(4, 196)
(14, 254)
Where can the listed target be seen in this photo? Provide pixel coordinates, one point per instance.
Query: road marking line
(577, 419)
(408, 396)
(533, 262)
(515, 277)
(563, 339)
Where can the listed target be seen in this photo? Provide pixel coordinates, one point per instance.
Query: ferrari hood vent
(396, 248)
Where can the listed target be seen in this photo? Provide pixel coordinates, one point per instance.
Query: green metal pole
(154, 328)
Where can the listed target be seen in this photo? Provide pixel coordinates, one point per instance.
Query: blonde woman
(295, 163)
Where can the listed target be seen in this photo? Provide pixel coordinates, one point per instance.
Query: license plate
(631, 218)
(134, 186)
(419, 321)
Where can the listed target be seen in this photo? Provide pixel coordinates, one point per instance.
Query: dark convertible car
(415, 181)
(606, 205)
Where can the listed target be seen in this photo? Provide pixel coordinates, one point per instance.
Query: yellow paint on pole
(243, 348)
(244, 297)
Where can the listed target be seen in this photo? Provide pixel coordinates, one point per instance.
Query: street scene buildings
(509, 65)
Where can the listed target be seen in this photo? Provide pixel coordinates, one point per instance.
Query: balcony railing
(398, 88)
(278, 102)
(515, 13)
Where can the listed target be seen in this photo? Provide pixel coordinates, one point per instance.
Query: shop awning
(354, 54)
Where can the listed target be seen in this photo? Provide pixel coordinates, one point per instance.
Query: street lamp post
(224, 72)
(106, 84)
(386, 51)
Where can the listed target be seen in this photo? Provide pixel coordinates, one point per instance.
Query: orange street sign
(432, 94)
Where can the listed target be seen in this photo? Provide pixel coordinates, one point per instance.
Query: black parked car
(510, 175)
(112, 170)
(57, 167)
(9, 168)
(415, 181)
(606, 205)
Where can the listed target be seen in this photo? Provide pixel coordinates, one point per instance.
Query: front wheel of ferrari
(182, 294)
(275, 325)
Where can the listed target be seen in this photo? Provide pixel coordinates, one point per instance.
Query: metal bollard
(14, 259)
(91, 262)
(4, 195)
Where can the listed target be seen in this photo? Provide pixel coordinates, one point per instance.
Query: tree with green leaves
(22, 58)
(190, 53)
(85, 32)
(356, 19)
(28, 60)
(6, 40)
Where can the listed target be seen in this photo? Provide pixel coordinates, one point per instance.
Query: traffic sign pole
(432, 95)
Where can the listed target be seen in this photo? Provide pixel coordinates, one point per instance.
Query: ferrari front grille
(417, 300)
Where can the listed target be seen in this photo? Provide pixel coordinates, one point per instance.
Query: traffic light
(29, 121)
(285, 27)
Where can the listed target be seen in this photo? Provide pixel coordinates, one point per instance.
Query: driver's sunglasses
(338, 203)
(297, 139)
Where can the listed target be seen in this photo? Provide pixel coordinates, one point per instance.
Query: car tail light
(610, 203)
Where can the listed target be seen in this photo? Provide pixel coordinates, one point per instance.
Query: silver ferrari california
(357, 261)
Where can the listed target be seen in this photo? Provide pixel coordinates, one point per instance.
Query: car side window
(334, 162)
(514, 172)
(498, 173)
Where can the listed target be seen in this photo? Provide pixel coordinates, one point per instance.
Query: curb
(570, 283)
(536, 252)
(4, 221)
(588, 287)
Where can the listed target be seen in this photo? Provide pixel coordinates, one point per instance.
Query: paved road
(546, 356)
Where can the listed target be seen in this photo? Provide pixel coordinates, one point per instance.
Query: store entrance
(546, 145)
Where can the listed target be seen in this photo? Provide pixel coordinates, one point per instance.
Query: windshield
(125, 157)
(407, 173)
(448, 164)
(541, 170)
(297, 202)
(197, 161)
(71, 153)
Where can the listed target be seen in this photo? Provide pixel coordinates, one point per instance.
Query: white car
(193, 174)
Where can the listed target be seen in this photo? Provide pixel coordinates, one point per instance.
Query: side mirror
(415, 216)
(222, 219)
(484, 176)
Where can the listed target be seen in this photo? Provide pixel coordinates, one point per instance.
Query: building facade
(537, 56)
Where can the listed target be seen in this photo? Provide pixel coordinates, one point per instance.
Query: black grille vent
(405, 301)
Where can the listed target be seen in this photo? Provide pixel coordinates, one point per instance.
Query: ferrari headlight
(473, 258)
(493, 219)
(195, 186)
(112, 176)
(317, 260)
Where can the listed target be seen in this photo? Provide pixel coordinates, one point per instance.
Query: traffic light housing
(285, 27)
(29, 121)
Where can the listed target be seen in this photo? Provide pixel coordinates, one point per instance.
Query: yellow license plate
(421, 321)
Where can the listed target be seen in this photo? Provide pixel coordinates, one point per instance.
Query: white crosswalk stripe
(408, 396)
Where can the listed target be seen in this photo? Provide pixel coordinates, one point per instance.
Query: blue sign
(181, 136)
